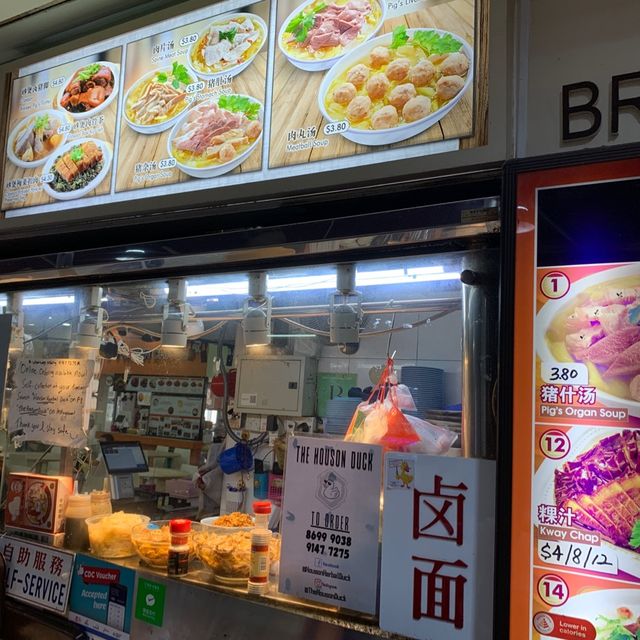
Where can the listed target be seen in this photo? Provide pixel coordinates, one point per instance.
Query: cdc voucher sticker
(330, 523)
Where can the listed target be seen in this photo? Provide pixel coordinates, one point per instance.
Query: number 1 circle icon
(555, 284)
(553, 590)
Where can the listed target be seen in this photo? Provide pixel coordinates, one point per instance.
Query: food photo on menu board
(61, 130)
(194, 101)
(358, 76)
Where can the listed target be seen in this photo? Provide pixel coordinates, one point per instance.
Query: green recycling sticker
(150, 602)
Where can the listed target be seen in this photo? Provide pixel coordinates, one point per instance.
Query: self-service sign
(37, 574)
(437, 547)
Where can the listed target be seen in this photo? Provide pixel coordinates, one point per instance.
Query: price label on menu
(336, 127)
(564, 373)
(65, 128)
(47, 177)
(330, 533)
(195, 87)
(167, 163)
(578, 556)
(185, 41)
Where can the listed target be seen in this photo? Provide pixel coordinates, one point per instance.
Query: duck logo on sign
(331, 489)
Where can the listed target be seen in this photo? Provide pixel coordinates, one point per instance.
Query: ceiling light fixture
(175, 315)
(256, 321)
(14, 307)
(92, 317)
(345, 311)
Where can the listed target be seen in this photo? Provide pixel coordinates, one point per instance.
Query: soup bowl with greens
(318, 33)
(396, 85)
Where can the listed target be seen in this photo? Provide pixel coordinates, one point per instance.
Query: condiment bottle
(180, 531)
(261, 513)
(100, 503)
(260, 541)
(76, 533)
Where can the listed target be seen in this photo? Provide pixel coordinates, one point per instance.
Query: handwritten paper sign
(330, 523)
(49, 402)
(37, 574)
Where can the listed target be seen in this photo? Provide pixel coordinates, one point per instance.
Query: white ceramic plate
(149, 129)
(107, 156)
(53, 113)
(232, 69)
(403, 131)
(553, 307)
(602, 602)
(325, 63)
(115, 70)
(218, 169)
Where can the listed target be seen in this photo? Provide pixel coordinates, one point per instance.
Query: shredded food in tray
(235, 519)
(229, 555)
(110, 537)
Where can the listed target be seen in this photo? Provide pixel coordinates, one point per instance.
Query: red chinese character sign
(576, 501)
(37, 574)
(437, 547)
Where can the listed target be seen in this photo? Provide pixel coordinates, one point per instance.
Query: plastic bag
(382, 422)
(434, 440)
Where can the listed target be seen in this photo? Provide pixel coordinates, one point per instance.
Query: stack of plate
(339, 414)
(426, 385)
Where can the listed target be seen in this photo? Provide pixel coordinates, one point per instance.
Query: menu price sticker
(574, 373)
(37, 574)
(581, 556)
(331, 515)
(336, 127)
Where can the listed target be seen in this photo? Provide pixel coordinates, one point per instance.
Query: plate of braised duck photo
(77, 168)
(36, 137)
(90, 90)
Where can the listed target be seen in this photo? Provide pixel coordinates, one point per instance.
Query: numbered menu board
(577, 407)
(245, 92)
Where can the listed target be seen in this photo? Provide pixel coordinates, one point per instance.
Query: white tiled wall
(433, 345)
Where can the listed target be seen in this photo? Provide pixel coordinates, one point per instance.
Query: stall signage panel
(330, 523)
(102, 598)
(437, 547)
(577, 413)
(187, 104)
(37, 574)
(49, 402)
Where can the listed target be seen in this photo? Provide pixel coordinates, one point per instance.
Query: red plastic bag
(382, 422)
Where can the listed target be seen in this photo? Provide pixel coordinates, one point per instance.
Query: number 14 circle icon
(553, 590)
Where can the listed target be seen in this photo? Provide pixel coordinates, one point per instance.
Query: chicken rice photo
(416, 74)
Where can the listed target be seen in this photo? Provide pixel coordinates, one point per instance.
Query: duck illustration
(403, 473)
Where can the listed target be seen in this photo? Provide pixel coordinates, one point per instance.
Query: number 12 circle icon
(555, 284)
(554, 444)
(553, 590)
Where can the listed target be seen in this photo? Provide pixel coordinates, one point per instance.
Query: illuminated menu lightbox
(240, 93)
